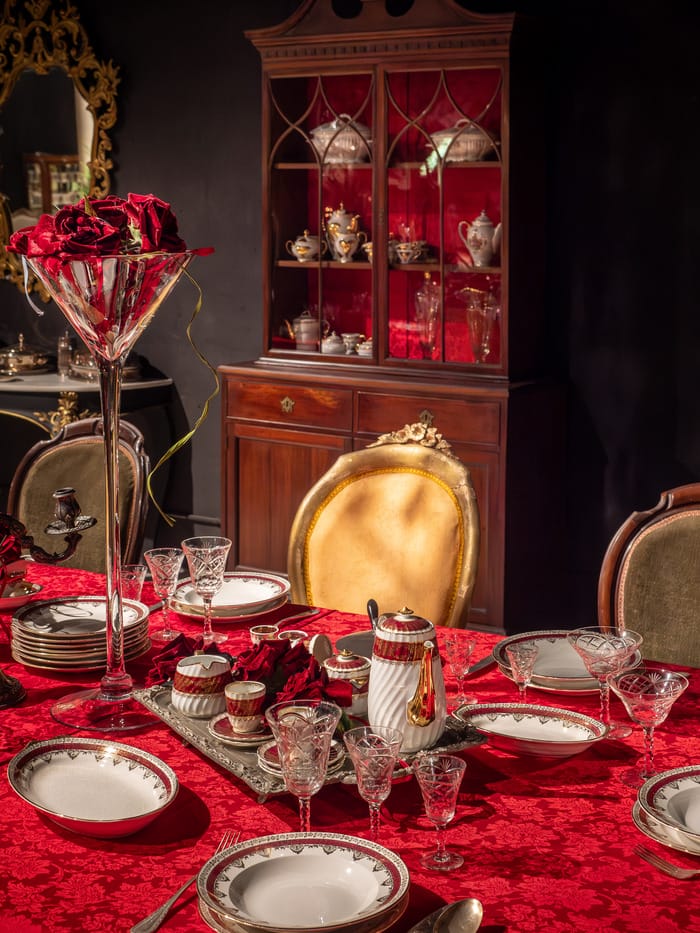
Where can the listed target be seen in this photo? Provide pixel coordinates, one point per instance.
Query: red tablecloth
(548, 845)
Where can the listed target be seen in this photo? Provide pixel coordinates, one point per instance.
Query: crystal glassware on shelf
(522, 657)
(165, 564)
(206, 559)
(648, 696)
(459, 651)
(483, 310)
(373, 751)
(303, 731)
(428, 315)
(109, 301)
(605, 652)
(439, 777)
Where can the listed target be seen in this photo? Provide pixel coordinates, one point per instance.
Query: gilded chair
(75, 457)
(398, 522)
(650, 578)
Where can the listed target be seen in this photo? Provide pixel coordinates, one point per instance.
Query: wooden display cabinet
(410, 147)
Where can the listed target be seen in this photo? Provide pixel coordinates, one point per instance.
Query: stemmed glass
(459, 651)
(648, 697)
(605, 652)
(373, 751)
(522, 656)
(165, 564)
(303, 730)
(439, 777)
(206, 559)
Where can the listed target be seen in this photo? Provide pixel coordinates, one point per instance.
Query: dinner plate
(663, 833)
(91, 662)
(74, 617)
(315, 882)
(673, 797)
(220, 727)
(526, 729)
(269, 759)
(242, 595)
(92, 786)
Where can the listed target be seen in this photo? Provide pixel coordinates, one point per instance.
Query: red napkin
(165, 662)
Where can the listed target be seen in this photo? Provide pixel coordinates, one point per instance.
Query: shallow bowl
(93, 786)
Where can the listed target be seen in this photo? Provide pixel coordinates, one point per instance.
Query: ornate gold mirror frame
(38, 35)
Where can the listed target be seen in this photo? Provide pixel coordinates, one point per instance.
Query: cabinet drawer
(281, 403)
(465, 420)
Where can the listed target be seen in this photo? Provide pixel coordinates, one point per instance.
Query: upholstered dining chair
(398, 522)
(75, 457)
(650, 577)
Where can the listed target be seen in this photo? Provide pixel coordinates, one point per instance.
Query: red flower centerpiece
(109, 264)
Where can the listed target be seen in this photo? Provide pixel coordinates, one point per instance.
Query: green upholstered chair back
(650, 578)
(398, 522)
(75, 457)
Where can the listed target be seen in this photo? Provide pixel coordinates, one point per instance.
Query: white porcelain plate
(93, 786)
(673, 797)
(73, 618)
(661, 832)
(269, 758)
(305, 881)
(526, 729)
(220, 727)
(242, 594)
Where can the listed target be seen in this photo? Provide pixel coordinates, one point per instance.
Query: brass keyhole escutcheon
(426, 418)
(287, 405)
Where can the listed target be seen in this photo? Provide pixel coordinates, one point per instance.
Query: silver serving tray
(244, 762)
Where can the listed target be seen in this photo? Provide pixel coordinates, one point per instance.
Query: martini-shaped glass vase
(109, 300)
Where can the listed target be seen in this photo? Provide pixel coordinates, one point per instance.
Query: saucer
(268, 757)
(220, 727)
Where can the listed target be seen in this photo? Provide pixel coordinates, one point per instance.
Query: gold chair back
(397, 522)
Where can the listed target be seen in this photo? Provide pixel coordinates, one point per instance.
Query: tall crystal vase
(109, 301)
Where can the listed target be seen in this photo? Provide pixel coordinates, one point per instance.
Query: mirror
(57, 106)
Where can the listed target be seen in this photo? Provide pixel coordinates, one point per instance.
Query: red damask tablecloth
(548, 844)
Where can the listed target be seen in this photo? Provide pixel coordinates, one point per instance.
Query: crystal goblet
(648, 696)
(303, 731)
(206, 559)
(165, 564)
(605, 652)
(459, 651)
(439, 777)
(522, 656)
(373, 751)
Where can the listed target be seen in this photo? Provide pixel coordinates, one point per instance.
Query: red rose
(155, 222)
(80, 233)
(39, 240)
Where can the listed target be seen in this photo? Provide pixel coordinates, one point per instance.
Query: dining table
(548, 843)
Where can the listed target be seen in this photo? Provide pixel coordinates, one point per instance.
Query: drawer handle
(426, 418)
(287, 405)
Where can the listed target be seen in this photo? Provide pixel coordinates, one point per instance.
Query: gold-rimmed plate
(243, 595)
(660, 832)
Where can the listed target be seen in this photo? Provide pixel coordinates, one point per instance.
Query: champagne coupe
(303, 730)
(206, 559)
(373, 751)
(648, 696)
(109, 301)
(459, 651)
(605, 652)
(165, 564)
(522, 656)
(439, 777)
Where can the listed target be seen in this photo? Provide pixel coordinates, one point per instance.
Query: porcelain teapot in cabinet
(406, 685)
(481, 238)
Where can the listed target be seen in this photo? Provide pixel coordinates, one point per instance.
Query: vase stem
(116, 683)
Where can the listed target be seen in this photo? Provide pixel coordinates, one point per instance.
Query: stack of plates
(668, 809)
(243, 595)
(558, 668)
(70, 634)
(269, 758)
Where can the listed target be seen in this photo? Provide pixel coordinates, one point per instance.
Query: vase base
(89, 710)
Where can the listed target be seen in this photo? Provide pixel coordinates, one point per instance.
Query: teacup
(198, 685)
(351, 341)
(245, 700)
(260, 633)
(294, 636)
(408, 252)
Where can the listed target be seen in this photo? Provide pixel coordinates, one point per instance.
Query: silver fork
(668, 868)
(153, 921)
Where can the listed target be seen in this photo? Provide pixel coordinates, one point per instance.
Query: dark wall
(622, 276)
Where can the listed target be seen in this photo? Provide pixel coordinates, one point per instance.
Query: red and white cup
(259, 633)
(245, 700)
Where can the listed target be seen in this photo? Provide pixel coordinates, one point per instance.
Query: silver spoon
(460, 917)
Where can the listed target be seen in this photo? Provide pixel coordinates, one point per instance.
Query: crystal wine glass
(605, 652)
(303, 730)
(439, 777)
(206, 559)
(373, 751)
(165, 564)
(648, 696)
(522, 656)
(459, 651)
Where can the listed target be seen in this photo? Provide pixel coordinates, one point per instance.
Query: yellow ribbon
(168, 519)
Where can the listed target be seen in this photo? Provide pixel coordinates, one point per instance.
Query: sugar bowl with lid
(356, 670)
